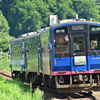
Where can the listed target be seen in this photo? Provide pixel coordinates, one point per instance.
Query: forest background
(22, 16)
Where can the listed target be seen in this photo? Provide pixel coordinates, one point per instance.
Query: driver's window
(79, 44)
(61, 40)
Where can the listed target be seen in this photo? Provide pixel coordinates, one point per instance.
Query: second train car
(64, 57)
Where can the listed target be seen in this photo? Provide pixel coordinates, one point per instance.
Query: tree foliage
(30, 15)
(96, 2)
(22, 17)
(4, 33)
(86, 9)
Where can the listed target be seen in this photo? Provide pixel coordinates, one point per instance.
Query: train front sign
(64, 57)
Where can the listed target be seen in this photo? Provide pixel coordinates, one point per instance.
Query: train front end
(76, 56)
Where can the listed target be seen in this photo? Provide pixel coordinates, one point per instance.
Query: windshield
(61, 41)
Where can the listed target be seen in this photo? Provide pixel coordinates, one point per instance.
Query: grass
(16, 90)
(4, 64)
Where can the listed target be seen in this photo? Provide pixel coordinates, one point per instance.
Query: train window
(58, 31)
(95, 29)
(79, 44)
(62, 31)
(94, 37)
(95, 41)
(61, 41)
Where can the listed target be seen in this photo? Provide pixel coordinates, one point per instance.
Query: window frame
(66, 33)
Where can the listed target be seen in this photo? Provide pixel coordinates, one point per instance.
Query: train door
(78, 49)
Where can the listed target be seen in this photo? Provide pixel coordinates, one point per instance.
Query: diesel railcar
(64, 57)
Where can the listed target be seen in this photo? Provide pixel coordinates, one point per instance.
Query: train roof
(28, 36)
(76, 23)
(17, 39)
(23, 38)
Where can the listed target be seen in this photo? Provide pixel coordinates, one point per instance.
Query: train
(64, 57)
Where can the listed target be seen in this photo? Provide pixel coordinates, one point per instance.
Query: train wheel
(47, 81)
(22, 76)
(36, 81)
(52, 83)
(14, 75)
(90, 93)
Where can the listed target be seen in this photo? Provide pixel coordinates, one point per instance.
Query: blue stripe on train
(67, 64)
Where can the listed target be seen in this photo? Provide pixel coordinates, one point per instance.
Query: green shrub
(16, 90)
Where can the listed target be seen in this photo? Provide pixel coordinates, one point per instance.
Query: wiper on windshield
(95, 51)
(63, 53)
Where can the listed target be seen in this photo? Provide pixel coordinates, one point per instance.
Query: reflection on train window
(61, 41)
(79, 44)
(61, 44)
(94, 37)
(95, 41)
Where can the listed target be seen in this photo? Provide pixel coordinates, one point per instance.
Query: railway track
(6, 74)
(51, 94)
(89, 95)
(54, 95)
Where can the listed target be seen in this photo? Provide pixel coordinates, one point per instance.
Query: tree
(44, 11)
(65, 9)
(96, 2)
(86, 9)
(22, 17)
(4, 33)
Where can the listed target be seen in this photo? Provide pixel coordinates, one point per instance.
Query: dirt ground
(7, 75)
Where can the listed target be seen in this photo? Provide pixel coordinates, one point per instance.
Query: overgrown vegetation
(4, 33)
(4, 65)
(16, 90)
(4, 61)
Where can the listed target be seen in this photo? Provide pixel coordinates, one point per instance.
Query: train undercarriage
(65, 83)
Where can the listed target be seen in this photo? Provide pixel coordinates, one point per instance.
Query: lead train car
(65, 57)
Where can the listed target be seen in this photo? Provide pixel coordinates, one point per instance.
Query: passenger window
(95, 42)
(94, 37)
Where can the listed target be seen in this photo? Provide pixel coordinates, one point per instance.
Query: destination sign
(77, 27)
